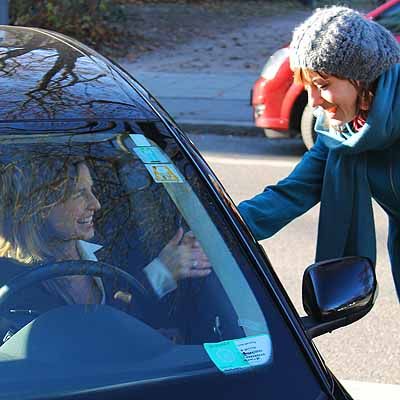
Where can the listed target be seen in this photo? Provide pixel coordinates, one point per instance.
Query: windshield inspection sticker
(151, 155)
(236, 354)
(164, 173)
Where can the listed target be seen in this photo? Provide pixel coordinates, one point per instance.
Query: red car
(281, 106)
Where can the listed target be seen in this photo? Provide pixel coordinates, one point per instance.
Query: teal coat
(343, 172)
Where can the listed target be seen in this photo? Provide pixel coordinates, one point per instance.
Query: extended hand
(184, 257)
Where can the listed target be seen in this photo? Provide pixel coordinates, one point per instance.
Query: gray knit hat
(340, 41)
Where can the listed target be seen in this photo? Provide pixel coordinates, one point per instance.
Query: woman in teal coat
(350, 68)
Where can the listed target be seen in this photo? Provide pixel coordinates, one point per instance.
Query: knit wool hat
(340, 41)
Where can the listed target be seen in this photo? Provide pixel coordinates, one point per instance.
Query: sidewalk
(219, 103)
(367, 390)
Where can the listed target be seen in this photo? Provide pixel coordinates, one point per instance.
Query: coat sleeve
(277, 205)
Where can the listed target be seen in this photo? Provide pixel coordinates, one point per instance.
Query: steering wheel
(77, 333)
(67, 268)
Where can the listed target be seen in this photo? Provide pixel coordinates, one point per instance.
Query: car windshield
(116, 265)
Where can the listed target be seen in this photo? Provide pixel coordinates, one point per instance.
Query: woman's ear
(364, 105)
(365, 100)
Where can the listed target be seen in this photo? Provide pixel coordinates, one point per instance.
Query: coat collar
(87, 250)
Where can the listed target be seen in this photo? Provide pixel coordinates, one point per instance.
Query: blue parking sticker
(139, 140)
(151, 155)
(237, 354)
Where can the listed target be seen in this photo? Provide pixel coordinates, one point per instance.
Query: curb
(369, 390)
(220, 128)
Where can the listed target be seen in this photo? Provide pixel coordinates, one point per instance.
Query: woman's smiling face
(338, 97)
(73, 218)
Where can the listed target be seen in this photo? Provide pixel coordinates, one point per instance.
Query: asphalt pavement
(366, 351)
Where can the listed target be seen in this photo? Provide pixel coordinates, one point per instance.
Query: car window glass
(115, 260)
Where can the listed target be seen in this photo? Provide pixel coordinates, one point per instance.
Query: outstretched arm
(269, 211)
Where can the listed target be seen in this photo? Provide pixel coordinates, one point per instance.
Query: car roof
(46, 76)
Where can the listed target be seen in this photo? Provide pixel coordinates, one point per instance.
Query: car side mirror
(337, 292)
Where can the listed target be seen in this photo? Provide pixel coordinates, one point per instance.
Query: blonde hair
(29, 189)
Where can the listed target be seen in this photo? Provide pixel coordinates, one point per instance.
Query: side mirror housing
(337, 292)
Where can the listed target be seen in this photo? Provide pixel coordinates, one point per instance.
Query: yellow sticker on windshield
(164, 173)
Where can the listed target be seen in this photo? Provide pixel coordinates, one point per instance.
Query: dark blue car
(126, 271)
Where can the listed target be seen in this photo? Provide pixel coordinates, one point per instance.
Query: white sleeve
(160, 278)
